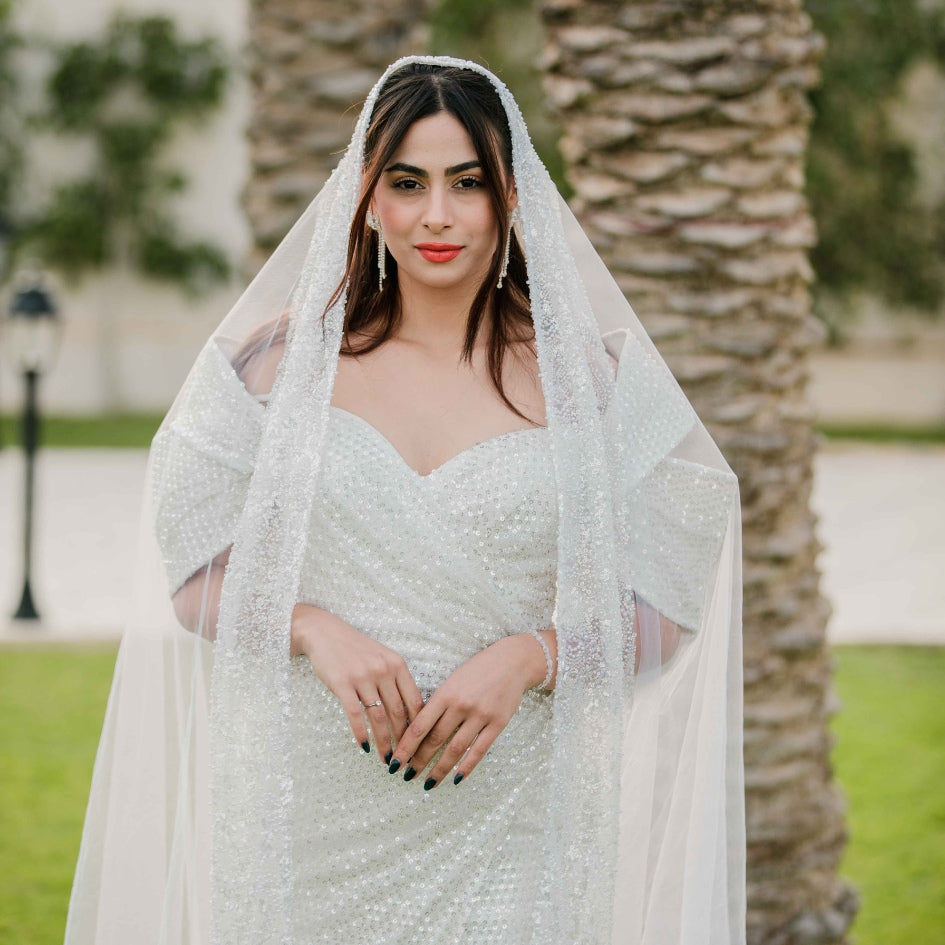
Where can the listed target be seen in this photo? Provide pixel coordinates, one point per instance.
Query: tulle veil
(186, 834)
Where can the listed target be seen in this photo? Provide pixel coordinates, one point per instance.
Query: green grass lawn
(123, 430)
(135, 430)
(890, 759)
(52, 702)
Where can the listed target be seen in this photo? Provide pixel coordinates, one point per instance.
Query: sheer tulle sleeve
(202, 464)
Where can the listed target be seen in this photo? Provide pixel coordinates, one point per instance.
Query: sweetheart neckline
(452, 459)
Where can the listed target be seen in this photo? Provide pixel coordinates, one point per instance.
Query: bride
(436, 635)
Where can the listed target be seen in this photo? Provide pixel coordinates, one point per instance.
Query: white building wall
(128, 342)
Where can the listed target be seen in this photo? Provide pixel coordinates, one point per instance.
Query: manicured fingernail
(366, 746)
(394, 765)
(388, 757)
(410, 774)
(458, 778)
(429, 783)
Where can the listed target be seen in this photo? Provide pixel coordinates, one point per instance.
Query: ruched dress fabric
(436, 567)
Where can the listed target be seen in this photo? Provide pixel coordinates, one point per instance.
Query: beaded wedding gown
(436, 567)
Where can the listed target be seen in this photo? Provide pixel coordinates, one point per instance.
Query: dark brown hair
(414, 92)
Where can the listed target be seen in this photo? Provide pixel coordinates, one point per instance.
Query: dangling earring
(375, 224)
(513, 216)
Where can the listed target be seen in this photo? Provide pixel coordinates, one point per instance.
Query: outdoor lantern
(29, 341)
(31, 330)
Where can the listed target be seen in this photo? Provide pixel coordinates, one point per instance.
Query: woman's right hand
(360, 672)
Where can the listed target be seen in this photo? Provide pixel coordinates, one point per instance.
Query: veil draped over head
(187, 837)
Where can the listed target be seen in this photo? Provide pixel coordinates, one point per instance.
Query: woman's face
(434, 207)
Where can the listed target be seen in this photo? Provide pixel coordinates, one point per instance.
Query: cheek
(391, 214)
(485, 224)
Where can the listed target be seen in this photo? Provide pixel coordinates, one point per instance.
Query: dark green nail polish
(409, 774)
(458, 778)
(366, 746)
(394, 765)
(429, 783)
(388, 757)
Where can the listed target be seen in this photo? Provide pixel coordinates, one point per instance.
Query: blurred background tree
(311, 63)
(11, 156)
(685, 129)
(865, 175)
(880, 230)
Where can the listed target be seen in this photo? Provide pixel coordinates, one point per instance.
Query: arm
(197, 600)
(666, 635)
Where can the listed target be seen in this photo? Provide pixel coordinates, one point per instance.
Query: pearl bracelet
(546, 682)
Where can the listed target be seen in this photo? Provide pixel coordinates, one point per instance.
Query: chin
(446, 280)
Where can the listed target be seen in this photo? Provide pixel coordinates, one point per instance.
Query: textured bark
(311, 61)
(684, 130)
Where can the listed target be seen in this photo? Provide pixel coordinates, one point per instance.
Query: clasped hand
(463, 717)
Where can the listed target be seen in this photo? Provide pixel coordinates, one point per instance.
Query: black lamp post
(31, 337)
(5, 234)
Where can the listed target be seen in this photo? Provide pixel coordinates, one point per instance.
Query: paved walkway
(881, 509)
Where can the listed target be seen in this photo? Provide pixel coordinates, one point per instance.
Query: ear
(513, 199)
(370, 216)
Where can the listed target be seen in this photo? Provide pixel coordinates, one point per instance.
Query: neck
(436, 318)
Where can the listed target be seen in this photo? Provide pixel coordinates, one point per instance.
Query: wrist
(547, 642)
(307, 621)
(524, 657)
(528, 656)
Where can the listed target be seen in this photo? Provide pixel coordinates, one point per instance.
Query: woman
(427, 508)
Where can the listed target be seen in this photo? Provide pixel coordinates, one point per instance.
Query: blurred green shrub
(11, 154)
(126, 94)
(875, 234)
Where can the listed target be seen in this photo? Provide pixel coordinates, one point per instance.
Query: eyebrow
(420, 172)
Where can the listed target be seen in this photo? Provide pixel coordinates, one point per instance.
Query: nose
(437, 214)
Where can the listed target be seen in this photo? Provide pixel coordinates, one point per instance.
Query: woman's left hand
(471, 708)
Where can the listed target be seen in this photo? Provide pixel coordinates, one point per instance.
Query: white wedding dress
(436, 567)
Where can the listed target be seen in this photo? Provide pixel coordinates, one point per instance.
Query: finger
(477, 751)
(437, 737)
(377, 719)
(412, 698)
(415, 733)
(396, 718)
(458, 745)
(352, 706)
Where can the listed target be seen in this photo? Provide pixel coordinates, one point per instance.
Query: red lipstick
(439, 252)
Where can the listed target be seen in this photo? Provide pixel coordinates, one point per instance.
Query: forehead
(437, 141)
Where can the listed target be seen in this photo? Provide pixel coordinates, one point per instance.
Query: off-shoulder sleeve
(202, 460)
(671, 513)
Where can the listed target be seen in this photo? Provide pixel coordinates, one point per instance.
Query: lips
(439, 252)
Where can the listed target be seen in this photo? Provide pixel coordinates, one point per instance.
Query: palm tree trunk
(310, 62)
(684, 132)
